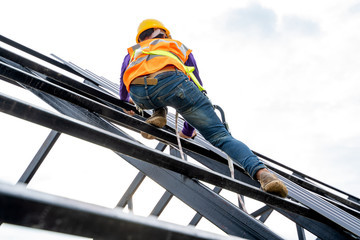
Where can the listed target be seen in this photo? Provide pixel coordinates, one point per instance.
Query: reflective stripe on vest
(152, 55)
(189, 70)
(183, 49)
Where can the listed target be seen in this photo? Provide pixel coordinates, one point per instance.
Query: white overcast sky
(285, 72)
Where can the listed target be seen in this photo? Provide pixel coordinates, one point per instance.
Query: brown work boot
(272, 184)
(158, 119)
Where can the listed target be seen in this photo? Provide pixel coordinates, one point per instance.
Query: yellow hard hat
(150, 23)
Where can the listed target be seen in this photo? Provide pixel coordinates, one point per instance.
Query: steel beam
(135, 184)
(37, 54)
(120, 144)
(313, 187)
(322, 229)
(152, 156)
(300, 232)
(160, 206)
(166, 197)
(33, 113)
(265, 216)
(39, 157)
(325, 221)
(350, 204)
(196, 219)
(12, 74)
(67, 82)
(217, 210)
(29, 208)
(255, 194)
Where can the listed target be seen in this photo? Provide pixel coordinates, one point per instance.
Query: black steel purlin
(119, 144)
(83, 219)
(248, 230)
(89, 112)
(12, 74)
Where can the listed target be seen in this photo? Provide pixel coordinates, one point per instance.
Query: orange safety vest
(142, 63)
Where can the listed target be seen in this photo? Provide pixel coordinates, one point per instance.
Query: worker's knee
(220, 138)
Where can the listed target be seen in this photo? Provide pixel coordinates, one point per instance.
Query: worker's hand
(184, 136)
(130, 112)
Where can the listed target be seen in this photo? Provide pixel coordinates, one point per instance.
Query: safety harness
(188, 70)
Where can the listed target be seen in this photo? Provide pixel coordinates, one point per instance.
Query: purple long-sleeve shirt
(124, 94)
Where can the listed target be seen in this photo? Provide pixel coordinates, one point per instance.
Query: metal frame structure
(92, 112)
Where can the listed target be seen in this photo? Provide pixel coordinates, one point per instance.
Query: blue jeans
(174, 89)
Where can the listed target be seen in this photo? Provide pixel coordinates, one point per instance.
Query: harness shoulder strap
(189, 70)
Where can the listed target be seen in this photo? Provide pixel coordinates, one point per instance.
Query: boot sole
(277, 188)
(155, 121)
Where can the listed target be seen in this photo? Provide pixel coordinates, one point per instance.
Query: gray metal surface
(323, 207)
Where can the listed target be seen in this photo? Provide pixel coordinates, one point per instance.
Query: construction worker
(156, 74)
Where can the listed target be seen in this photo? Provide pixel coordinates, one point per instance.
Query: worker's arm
(188, 131)
(192, 63)
(124, 95)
